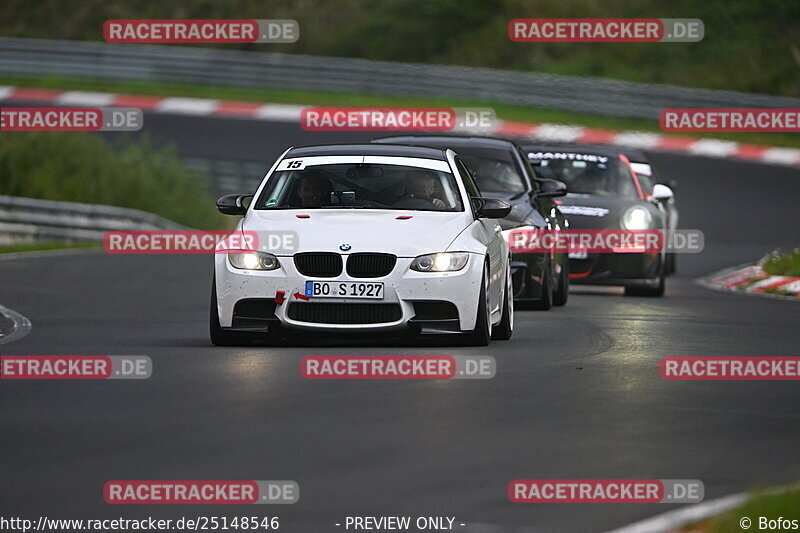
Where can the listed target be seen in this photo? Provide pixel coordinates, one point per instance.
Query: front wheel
(561, 294)
(482, 333)
(652, 292)
(671, 266)
(504, 330)
(546, 301)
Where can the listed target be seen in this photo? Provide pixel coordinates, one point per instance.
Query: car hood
(364, 230)
(586, 211)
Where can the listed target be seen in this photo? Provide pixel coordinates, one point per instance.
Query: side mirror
(233, 204)
(491, 207)
(661, 193)
(551, 188)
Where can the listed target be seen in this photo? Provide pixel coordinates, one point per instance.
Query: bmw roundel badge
(344, 247)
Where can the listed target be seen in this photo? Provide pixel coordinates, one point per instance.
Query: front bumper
(410, 299)
(629, 269)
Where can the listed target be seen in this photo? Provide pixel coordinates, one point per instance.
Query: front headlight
(444, 262)
(253, 261)
(637, 217)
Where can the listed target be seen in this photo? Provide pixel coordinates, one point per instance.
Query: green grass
(49, 245)
(785, 504)
(81, 167)
(503, 111)
(786, 264)
(748, 45)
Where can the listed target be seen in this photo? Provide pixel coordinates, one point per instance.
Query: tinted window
(586, 173)
(469, 185)
(494, 170)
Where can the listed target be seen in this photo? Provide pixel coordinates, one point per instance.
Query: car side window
(469, 183)
(530, 171)
(626, 181)
(647, 183)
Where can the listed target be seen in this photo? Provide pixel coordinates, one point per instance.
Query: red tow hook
(279, 295)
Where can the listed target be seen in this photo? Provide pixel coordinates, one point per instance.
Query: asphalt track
(577, 392)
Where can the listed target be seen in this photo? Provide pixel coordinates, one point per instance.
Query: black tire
(671, 264)
(546, 301)
(220, 337)
(561, 295)
(504, 330)
(482, 334)
(650, 292)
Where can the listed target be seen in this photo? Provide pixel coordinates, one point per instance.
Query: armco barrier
(97, 60)
(30, 219)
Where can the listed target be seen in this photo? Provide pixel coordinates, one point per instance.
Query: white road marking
(782, 156)
(5, 91)
(21, 325)
(187, 106)
(279, 112)
(713, 148)
(558, 132)
(638, 139)
(86, 99)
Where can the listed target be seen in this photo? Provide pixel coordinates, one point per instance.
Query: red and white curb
(751, 279)
(561, 133)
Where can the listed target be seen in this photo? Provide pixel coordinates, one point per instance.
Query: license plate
(578, 255)
(344, 289)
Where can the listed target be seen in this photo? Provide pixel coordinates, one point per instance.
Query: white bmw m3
(364, 238)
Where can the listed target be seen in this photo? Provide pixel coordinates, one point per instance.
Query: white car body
(405, 234)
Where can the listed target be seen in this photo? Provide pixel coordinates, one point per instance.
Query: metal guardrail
(228, 176)
(34, 57)
(30, 219)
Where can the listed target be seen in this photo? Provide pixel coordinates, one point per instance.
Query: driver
(314, 189)
(421, 184)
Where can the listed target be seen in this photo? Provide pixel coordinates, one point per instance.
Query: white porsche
(364, 238)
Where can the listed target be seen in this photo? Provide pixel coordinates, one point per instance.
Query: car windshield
(586, 173)
(495, 171)
(359, 185)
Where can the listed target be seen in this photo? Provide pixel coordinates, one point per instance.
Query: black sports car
(501, 170)
(652, 185)
(605, 193)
